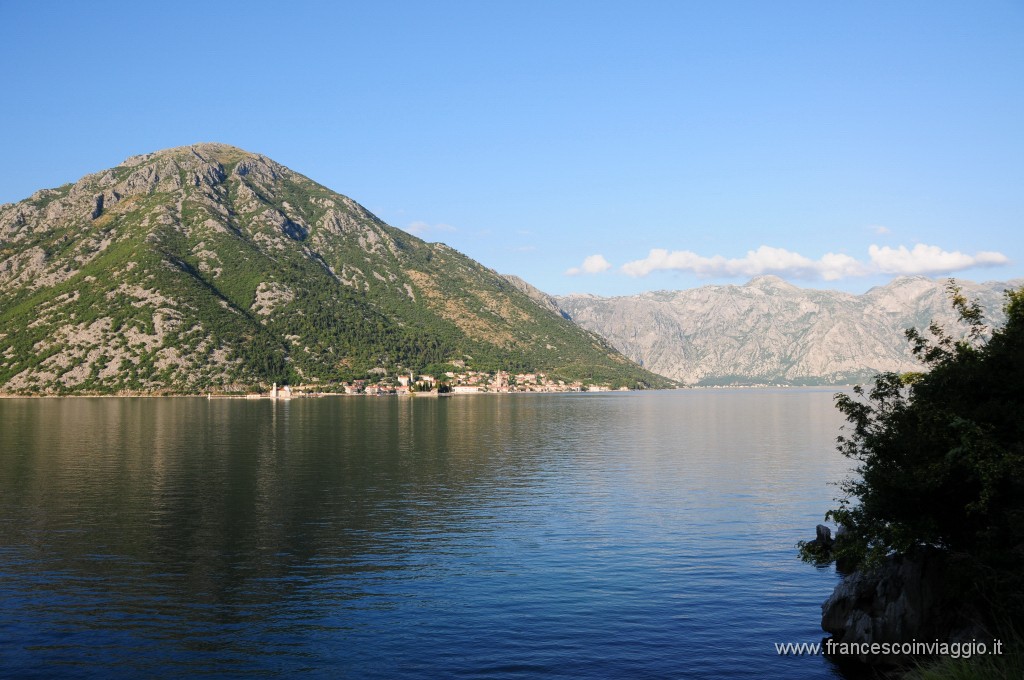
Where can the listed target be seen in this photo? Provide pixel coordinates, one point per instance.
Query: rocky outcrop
(914, 598)
(771, 332)
(823, 541)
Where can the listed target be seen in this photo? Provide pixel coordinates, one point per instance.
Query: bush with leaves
(940, 454)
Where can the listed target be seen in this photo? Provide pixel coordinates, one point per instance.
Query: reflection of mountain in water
(384, 537)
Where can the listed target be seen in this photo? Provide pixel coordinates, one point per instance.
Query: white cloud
(834, 266)
(764, 260)
(922, 259)
(593, 264)
(879, 229)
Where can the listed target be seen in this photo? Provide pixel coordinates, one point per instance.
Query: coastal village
(450, 384)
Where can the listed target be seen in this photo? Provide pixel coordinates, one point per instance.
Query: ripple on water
(637, 535)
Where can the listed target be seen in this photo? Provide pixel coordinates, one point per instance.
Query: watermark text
(955, 650)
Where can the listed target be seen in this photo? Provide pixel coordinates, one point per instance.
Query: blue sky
(585, 146)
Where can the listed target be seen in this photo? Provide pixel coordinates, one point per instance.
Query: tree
(940, 454)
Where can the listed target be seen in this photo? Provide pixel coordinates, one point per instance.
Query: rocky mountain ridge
(771, 332)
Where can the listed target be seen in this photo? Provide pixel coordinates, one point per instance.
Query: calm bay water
(640, 535)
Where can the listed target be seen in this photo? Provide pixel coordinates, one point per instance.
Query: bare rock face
(98, 209)
(906, 599)
(770, 332)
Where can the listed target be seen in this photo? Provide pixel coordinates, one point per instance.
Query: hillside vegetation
(211, 268)
(933, 519)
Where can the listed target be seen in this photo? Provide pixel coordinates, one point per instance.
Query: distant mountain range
(208, 267)
(771, 332)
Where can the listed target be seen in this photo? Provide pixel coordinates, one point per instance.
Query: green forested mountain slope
(207, 267)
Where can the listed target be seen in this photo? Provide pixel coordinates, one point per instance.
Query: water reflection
(577, 535)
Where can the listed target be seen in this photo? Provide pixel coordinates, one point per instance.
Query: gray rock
(768, 332)
(823, 535)
(905, 599)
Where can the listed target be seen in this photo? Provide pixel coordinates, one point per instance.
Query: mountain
(769, 331)
(208, 267)
(546, 301)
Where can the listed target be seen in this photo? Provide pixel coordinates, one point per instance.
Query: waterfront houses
(450, 383)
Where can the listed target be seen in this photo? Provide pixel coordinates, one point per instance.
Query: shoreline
(320, 395)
